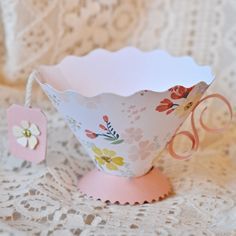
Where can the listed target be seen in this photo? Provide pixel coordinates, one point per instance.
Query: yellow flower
(187, 106)
(108, 158)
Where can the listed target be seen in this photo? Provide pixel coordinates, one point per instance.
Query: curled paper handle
(194, 137)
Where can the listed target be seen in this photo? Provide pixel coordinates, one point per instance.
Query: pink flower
(102, 127)
(91, 134)
(180, 92)
(144, 150)
(105, 118)
(169, 111)
(132, 135)
(165, 105)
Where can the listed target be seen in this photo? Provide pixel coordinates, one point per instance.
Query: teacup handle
(194, 137)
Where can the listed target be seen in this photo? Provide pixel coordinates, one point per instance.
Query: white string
(28, 90)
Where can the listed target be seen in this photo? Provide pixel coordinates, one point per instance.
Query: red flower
(105, 118)
(169, 111)
(91, 134)
(180, 92)
(165, 104)
(102, 127)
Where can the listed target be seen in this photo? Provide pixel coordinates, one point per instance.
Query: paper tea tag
(27, 133)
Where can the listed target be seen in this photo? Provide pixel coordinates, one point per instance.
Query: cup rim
(186, 61)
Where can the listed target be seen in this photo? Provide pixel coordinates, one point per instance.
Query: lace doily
(49, 30)
(43, 199)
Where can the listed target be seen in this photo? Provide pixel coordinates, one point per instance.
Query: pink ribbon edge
(194, 137)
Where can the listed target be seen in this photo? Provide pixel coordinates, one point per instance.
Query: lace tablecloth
(43, 199)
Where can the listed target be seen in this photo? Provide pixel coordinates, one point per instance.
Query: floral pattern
(107, 158)
(134, 113)
(181, 109)
(90, 103)
(55, 100)
(188, 104)
(119, 145)
(166, 105)
(26, 134)
(142, 151)
(178, 92)
(108, 133)
(74, 125)
(132, 135)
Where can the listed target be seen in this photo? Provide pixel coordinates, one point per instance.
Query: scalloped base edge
(152, 187)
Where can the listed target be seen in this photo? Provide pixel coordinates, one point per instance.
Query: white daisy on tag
(26, 134)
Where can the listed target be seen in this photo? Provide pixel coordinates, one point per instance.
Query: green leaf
(117, 141)
(110, 139)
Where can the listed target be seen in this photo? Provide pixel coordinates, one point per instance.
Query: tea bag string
(29, 86)
(194, 137)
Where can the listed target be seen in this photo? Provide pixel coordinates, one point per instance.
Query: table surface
(43, 199)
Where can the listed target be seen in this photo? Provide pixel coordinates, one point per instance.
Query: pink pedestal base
(148, 188)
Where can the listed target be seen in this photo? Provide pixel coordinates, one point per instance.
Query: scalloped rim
(95, 51)
(128, 190)
(109, 94)
(152, 200)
